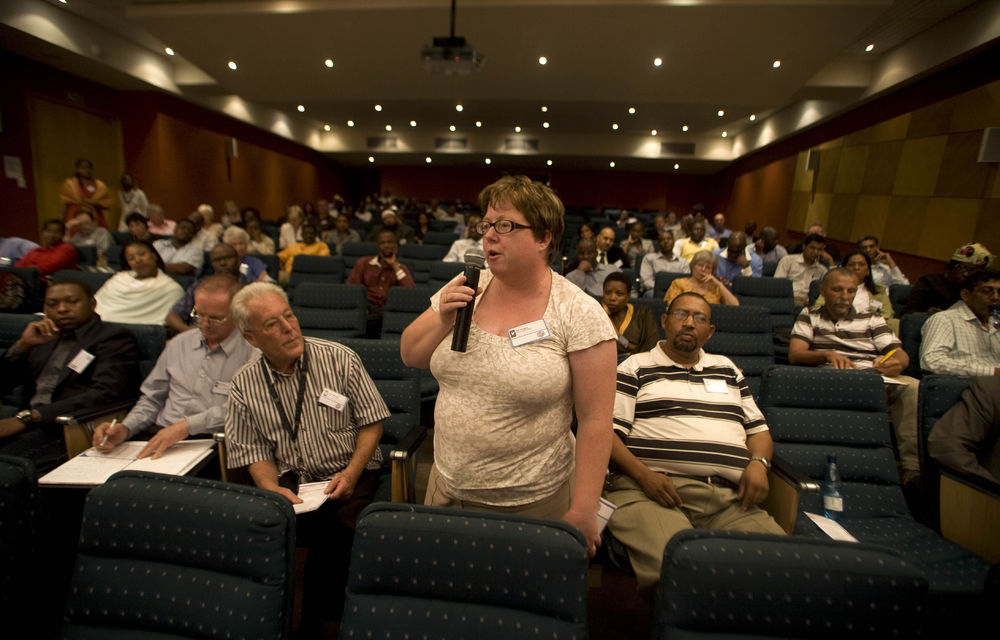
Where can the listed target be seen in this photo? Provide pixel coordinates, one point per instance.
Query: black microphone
(474, 261)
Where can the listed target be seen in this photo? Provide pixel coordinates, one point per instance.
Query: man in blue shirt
(735, 260)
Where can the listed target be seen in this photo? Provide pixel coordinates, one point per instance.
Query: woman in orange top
(82, 191)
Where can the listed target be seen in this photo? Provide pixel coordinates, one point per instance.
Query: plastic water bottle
(833, 490)
(995, 310)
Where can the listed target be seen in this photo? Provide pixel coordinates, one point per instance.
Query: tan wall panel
(829, 164)
(803, 177)
(836, 143)
(994, 191)
(950, 223)
(851, 173)
(894, 129)
(819, 211)
(960, 175)
(881, 167)
(797, 210)
(871, 213)
(919, 165)
(905, 221)
(977, 109)
(841, 217)
(932, 120)
(988, 229)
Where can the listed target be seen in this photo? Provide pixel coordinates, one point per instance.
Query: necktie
(602, 257)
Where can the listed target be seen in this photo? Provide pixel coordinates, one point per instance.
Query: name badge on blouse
(528, 333)
(221, 387)
(332, 399)
(715, 385)
(244, 268)
(81, 361)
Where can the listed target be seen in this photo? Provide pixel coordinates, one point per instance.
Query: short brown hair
(539, 204)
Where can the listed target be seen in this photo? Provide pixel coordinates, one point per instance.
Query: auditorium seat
(910, 333)
(898, 294)
(383, 361)
(663, 280)
(402, 306)
(743, 334)
(177, 557)
(327, 269)
(351, 251)
(814, 412)
(326, 310)
(184, 281)
(20, 580)
(768, 269)
(737, 585)
(11, 327)
(774, 294)
(444, 225)
(87, 256)
(440, 238)
(271, 261)
(25, 291)
(95, 279)
(441, 273)
(426, 572)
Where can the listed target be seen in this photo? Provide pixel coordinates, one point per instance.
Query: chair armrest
(970, 512)
(238, 475)
(786, 485)
(78, 428)
(404, 464)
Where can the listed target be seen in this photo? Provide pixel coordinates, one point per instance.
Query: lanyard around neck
(291, 427)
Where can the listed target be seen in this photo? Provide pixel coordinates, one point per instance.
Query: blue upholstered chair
(326, 269)
(23, 289)
(20, 577)
(910, 327)
(330, 311)
(271, 261)
(177, 557)
(441, 273)
(440, 238)
(770, 266)
(662, 282)
(774, 294)
(898, 293)
(402, 306)
(735, 585)
(814, 412)
(351, 251)
(743, 334)
(426, 572)
(95, 279)
(11, 327)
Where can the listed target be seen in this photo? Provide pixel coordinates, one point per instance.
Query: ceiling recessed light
(388, 127)
(168, 51)
(548, 163)
(653, 132)
(720, 113)
(451, 128)
(657, 62)
(753, 116)
(725, 134)
(488, 161)
(684, 128)
(543, 60)
(614, 126)
(612, 164)
(350, 123)
(544, 109)
(329, 63)
(427, 159)
(631, 111)
(479, 123)
(63, 1)
(545, 125)
(378, 107)
(517, 129)
(301, 108)
(232, 65)
(413, 123)
(776, 64)
(459, 107)
(676, 166)
(371, 158)
(326, 127)
(870, 47)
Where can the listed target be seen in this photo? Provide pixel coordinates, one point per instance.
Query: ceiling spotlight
(548, 163)
(378, 107)
(545, 125)
(753, 116)
(63, 1)
(657, 62)
(388, 127)
(427, 159)
(459, 108)
(232, 65)
(517, 129)
(612, 164)
(544, 109)
(350, 123)
(614, 126)
(479, 123)
(168, 51)
(301, 108)
(725, 134)
(451, 128)
(542, 60)
(684, 128)
(329, 63)
(413, 123)
(488, 161)
(776, 64)
(371, 158)
(631, 111)
(869, 48)
(653, 132)
(676, 166)
(326, 127)
(720, 113)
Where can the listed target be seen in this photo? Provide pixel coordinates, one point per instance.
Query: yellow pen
(887, 356)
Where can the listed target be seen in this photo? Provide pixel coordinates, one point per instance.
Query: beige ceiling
(717, 54)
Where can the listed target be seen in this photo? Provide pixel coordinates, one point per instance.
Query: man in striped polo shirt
(835, 335)
(692, 448)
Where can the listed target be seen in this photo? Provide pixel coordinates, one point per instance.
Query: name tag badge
(221, 387)
(244, 268)
(715, 385)
(81, 361)
(332, 399)
(528, 333)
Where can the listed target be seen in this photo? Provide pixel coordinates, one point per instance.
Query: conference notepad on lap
(93, 467)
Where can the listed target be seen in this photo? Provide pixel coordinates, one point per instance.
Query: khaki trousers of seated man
(903, 416)
(645, 526)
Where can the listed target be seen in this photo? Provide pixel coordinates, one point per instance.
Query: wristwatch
(26, 416)
(763, 461)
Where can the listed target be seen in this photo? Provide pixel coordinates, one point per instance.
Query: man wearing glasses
(692, 448)
(186, 392)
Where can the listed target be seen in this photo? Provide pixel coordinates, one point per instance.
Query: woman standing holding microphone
(538, 348)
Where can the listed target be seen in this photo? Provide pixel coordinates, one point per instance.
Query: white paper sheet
(831, 528)
(312, 496)
(92, 467)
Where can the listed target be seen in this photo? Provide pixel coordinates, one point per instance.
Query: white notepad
(92, 467)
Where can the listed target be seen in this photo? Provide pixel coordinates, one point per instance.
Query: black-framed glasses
(207, 321)
(681, 315)
(500, 226)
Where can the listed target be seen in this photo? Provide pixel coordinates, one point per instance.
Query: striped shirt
(686, 421)
(956, 343)
(862, 337)
(327, 437)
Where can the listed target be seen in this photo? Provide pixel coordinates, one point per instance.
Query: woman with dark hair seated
(702, 282)
(871, 297)
(142, 293)
(635, 325)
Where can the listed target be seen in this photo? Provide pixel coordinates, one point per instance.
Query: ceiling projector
(451, 56)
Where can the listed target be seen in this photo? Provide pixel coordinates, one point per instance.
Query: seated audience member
(13, 249)
(585, 231)
(685, 454)
(718, 230)
(735, 260)
(750, 228)
(767, 246)
(225, 261)
(400, 230)
(287, 442)
(309, 246)
(588, 274)
(702, 282)
(659, 225)
(259, 243)
(607, 252)
(69, 360)
(871, 298)
(803, 268)
(837, 336)
(82, 231)
(663, 260)
(209, 225)
(251, 268)
(231, 215)
(884, 269)
(938, 291)
(142, 293)
(829, 256)
(440, 213)
(291, 231)
(379, 274)
(423, 226)
(53, 254)
(341, 233)
(695, 242)
(635, 325)
(635, 245)
(132, 200)
(157, 223)
(180, 255)
(473, 238)
(964, 340)
(966, 436)
(673, 225)
(186, 392)
(625, 219)
(138, 227)
(204, 237)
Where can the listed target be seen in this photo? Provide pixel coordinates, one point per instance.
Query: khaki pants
(903, 416)
(645, 526)
(553, 507)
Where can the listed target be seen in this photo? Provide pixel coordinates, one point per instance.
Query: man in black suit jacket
(608, 251)
(67, 361)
